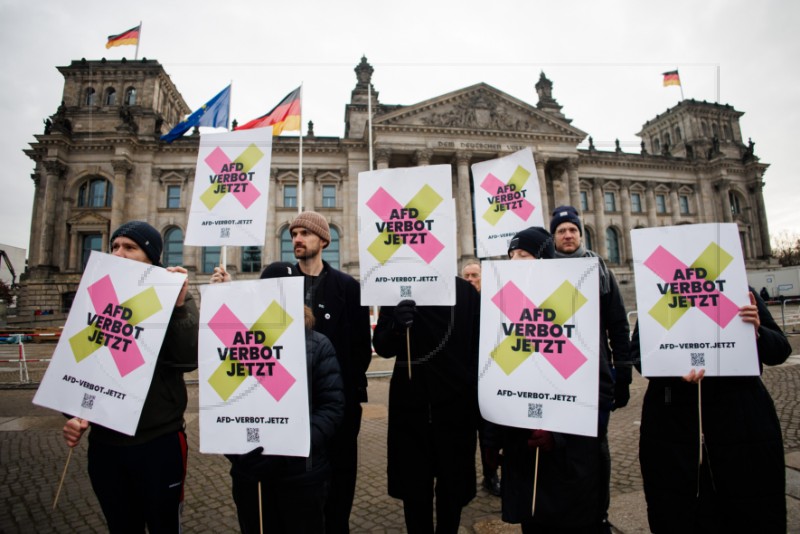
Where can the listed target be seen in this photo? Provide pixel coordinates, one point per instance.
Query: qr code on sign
(534, 410)
(252, 436)
(224, 232)
(405, 292)
(88, 401)
(698, 359)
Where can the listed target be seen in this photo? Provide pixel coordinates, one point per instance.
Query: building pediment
(479, 107)
(87, 219)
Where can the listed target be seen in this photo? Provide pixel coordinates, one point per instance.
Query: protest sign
(231, 188)
(690, 283)
(507, 199)
(253, 380)
(104, 361)
(407, 236)
(539, 344)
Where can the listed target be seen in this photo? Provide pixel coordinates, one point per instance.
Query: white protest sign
(253, 378)
(104, 361)
(539, 344)
(231, 188)
(507, 199)
(407, 236)
(690, 284)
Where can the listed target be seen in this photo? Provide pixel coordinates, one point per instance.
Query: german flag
(671, 78)
(284, 116)
(130, 37)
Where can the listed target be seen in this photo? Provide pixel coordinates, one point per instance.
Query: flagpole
(136, 54)
(718, 84)
(223, 257)
(369, 121)
(300, 164)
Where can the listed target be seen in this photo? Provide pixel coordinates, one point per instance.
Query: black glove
(542, 439)
(622, 391)
(251, 466)
(403, 314)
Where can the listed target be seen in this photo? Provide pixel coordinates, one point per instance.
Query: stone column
(74, 245)
(763, 227)
(561, 188)
(309, 188)
(36, 222)
(423, 157)
(55, 173)
(541, 162)
(464, 226)
(272, 217)
(675, 206)
(382, 156)
(650, 195)
(599, 218)
(121, 169)
(724, 188)
(574, 187)
(625, 201)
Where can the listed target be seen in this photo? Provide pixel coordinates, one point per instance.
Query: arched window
(111, 96)
(210, 259)
(251, 259)
(130, 96)
(90, 95)
(736, 205)
(587, 239)
(89, 243)
(173, 247)
(656, 145)
(678, 135)
(331, 253)
(667, 139)
(612, 239)
(95, 193)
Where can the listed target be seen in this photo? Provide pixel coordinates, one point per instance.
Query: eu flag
(214, 113)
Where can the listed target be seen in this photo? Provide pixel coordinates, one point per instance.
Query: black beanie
(564, 214)
(279, 269)
(534, 240)
(147, 237)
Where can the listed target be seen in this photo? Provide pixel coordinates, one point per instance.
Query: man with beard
(335, 299)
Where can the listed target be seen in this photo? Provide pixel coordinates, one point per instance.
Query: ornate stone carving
(479, 111)
(121, 166)
(55, 168)
(423, 156)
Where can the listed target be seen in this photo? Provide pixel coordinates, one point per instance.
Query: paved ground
(32, 457)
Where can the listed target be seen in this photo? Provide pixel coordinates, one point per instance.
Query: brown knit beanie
(314, 223)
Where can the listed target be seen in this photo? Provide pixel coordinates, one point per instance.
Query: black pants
(343, 455)
(419, 516)
(285, 509)
(140, 485)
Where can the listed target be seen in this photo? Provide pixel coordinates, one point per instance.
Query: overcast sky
(605, 59)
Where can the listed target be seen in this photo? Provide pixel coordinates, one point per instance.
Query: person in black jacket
(433, 414)
(738, 484)
(569, 495)
(567, 231)
(139, 479)
(294, 489)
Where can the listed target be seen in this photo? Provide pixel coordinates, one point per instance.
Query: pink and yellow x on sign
(507, 197)
(114, 325)
(696, 286)
(234, 177)
(251, 352)
(405, 225)
(542, 329)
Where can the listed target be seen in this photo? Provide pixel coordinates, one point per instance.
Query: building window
(684, 203)
(287, 252)
(636, 203)
(587, 239)
(111, 96)
(726, 131)
(656, 146)
(173, 247)
(67, 299)
(704, 128)
(667, 139)
(613, 245)
(90, 96)
(251, 259)
(611, 201)
(331, 253)
(210, 259)
(736, 207)
(715, 129)
(584, 201)
(328, 196)
(173, 196)
(130, 96)
(90, 242)
(678, 135)
(289, 196)
(96, 193)
(661, 204)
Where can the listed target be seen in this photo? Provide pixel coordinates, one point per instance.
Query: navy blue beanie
(147, 237)
(564, 214)
(534, 240)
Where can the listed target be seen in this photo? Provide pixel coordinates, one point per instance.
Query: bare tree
(786, 248)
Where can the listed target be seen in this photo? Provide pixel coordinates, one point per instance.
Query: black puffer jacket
(326, 402)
